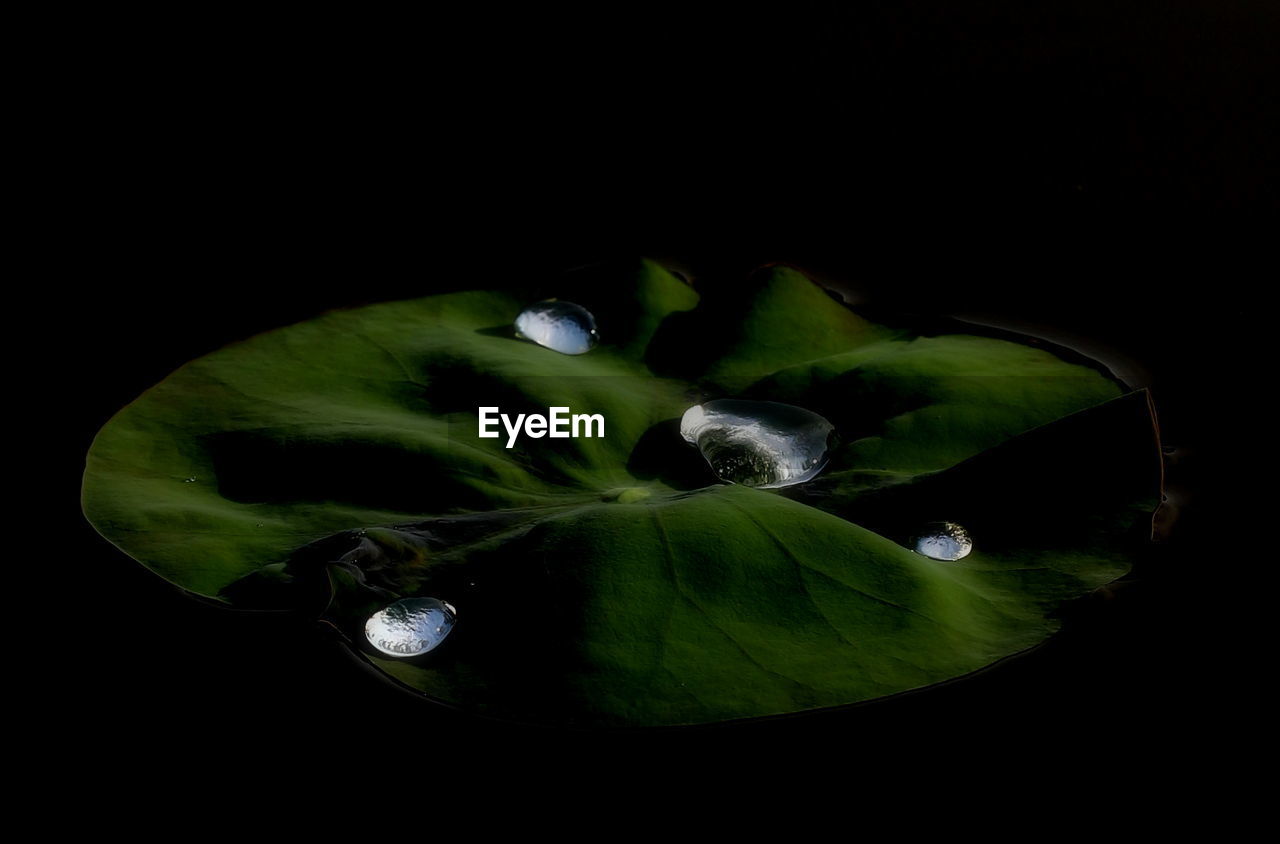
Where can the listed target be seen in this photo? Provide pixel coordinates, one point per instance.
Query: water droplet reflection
(560, 326)
(945, 541)
(759, 443)
(410, 627)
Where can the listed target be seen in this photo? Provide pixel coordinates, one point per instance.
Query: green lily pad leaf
(335, 466)
(780, 319)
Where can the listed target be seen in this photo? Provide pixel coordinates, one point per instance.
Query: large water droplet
(944, 541)
(561, 326)
(759, 443)
(410, 626)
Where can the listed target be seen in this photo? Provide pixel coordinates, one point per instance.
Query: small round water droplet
(943, 541)
(759, 443)
(560, 326)
(410, 626)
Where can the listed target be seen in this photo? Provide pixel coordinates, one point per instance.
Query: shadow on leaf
(504, 330)
(662, 454)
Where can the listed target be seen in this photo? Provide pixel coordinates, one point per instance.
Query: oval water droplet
(759, 443)
(410, 627)
(190, 480)
(560, 326)
(945, 541)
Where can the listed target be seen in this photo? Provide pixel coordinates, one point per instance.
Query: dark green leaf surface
(610, 581)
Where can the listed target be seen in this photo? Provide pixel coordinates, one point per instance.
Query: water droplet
(410, 626)
(943, 541)
(759, 443)
(190, 480)
(560, 326)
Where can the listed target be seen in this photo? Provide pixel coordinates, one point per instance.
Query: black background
(1103, 170)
